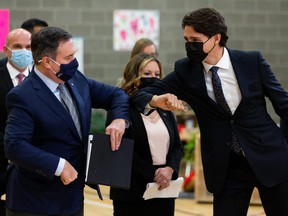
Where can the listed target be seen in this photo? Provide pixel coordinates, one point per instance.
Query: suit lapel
(6, 78)
(52, 102)
(200, 85)
(242, 76)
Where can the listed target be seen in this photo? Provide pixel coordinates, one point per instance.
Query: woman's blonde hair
(131, 75)
(140, 46)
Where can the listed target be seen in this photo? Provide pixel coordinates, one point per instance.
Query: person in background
(18, 52)
(157, 146)
(241, 146)
(33, 26)
(144, 45)
(47, 130)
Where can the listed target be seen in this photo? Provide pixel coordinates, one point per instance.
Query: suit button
(228, 144)
(232, 121)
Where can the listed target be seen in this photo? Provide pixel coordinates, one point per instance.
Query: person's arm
(116, 101)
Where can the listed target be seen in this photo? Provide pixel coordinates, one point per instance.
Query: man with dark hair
(47, 129)
(241, 146)
(34, 25)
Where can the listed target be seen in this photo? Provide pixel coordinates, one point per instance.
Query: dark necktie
(67, 101)
(20, 77)
(221, 101)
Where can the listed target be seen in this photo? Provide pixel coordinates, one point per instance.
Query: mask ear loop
(41, 60)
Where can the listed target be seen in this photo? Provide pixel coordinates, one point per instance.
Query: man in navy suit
(18, 42)
(46, 149)
(241, 145)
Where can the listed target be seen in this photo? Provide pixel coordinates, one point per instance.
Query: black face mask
(147, 81)
(195, 51)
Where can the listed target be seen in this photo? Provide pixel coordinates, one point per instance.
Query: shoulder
(244, 53)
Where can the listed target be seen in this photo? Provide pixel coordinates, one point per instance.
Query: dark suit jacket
(143, 170)
(39, 131)
(261, 139)
(5, 86)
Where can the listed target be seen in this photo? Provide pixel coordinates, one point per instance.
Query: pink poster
(131, 25)
(4, 26)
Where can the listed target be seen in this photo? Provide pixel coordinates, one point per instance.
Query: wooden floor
(184, 206)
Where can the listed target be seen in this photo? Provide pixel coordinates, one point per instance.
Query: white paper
(90, 138)
(172, 190)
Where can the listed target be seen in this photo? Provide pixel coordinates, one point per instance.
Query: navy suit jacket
(39, 131)
(261, 139)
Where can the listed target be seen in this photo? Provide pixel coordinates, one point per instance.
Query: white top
(158, 137)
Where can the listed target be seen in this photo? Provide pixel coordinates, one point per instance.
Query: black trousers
(2, 208)
(152, 207)
(236, 194)
(16, 213)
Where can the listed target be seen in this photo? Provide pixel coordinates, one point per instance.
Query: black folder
(107, 167)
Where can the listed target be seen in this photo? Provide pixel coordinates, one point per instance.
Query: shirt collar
(14, 72)
(52, 85)
(223, 63)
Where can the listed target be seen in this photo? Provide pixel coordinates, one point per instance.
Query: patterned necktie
(221, 101)
(20, 77)
(67, 101)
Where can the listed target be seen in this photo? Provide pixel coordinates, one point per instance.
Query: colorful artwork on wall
(131, 25)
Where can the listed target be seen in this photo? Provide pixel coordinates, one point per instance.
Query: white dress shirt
(14, 73)
(228, 79)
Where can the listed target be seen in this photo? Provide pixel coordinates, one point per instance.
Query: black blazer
(261, 139)
(143, 169)
(5, 86)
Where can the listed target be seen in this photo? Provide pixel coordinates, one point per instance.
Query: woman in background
(157, 146)
(144, 45)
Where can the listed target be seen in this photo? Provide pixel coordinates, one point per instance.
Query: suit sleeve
(172, 83)
(18, 138)
(273, 89)
(109, 98)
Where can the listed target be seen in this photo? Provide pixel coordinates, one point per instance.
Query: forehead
(149, 49)
(66, 48)
(152, 66)
(190, 32)
(19, 37)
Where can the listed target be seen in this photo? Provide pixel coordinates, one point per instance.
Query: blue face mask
(67, 71)
(21, 58)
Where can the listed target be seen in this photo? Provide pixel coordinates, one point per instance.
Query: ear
(6, 51)
(217, 38)
(46, 62)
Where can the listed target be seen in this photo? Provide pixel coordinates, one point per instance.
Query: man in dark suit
(241, 145)
(18, 41)
(48, 126)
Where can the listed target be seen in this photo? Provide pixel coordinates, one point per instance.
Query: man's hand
(116, 130)
(69, 174)
(167, 102)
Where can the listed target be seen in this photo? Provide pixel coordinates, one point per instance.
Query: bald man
(18, 52)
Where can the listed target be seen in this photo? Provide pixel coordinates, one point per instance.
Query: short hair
(207, 21)
(46, 42)
(140, 45)
(131, 74)
(31, 23)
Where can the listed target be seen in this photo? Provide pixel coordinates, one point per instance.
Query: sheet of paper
(172, 191)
